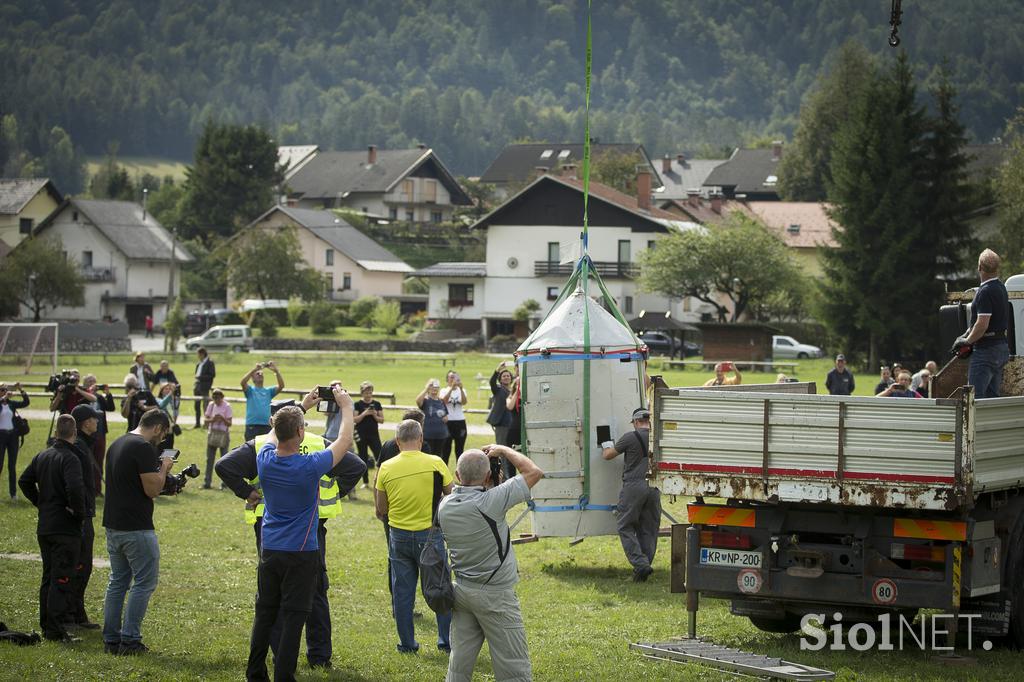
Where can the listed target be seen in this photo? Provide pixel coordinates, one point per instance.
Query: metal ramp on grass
(732, 660)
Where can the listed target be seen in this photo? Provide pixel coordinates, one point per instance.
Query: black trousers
(56, 592)
(318, 625)
(456, 435)
(436, 446)
(203, 399)
(285, 585)
(83, 571)
(369, 442)
(9, 447)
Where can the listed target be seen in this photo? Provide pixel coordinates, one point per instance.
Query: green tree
(740, 260)
(526, 311)
(1009, 184)
(233, 180)
(362, 310)
(268, 264)
(879, 289)
(804, 172)
(387, 316)
(62, 162)
(111, 181)
(323, 317)
(174, 325)
(295, 309)
(615, 169)
(40, 276)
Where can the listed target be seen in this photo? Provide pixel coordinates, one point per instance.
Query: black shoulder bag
(435, 574)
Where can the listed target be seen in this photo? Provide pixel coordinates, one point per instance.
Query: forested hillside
(467, 77)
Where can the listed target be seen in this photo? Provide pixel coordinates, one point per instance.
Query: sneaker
(362, 487)
(640, 575)
(321, 665)
(133, 649)
(446, 650)
(112, 648)
(352, 495)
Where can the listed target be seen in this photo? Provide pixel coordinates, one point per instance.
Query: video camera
(174, 484)
(59, 381)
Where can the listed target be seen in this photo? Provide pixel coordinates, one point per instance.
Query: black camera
(59, 381)
(496, 470)
(175, 483)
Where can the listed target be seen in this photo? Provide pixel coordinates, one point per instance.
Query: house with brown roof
(533, 245)
(24, 203)
(804, 226)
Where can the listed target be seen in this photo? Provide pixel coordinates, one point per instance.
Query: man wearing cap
(87, 425)
(839, 380)
(639, 507)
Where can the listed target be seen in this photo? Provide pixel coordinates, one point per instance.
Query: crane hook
(895, 18)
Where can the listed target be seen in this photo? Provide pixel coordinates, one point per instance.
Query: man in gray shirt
(472, 518)
(639, 508)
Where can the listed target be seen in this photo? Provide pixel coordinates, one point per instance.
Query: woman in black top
(369, 414)
(500, 418)
(8, 434)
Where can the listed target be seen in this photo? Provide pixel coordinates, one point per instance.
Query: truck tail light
(919, 553)
(711, 538)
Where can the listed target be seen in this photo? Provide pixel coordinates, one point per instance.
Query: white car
(788, 347)
(237, 337)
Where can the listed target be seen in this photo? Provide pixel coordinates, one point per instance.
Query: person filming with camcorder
(67, 391)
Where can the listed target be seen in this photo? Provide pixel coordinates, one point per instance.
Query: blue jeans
(135, 562)
(985, 373)
(404, 549)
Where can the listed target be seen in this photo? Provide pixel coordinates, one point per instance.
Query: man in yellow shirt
(721, 380)
(407, 497)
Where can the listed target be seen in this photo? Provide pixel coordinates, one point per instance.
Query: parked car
(237, 337)
(788, 347)
(197, 322)
(692, 348)
(659, 342)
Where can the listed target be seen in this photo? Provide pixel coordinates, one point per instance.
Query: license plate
(730, 557)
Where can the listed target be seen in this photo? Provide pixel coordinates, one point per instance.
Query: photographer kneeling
(238, 470)
(472, 518)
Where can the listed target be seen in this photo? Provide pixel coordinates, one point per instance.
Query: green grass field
(137, 166)
(580, 606)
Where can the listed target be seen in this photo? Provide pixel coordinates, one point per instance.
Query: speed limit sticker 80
(884, 591)
(749, 581)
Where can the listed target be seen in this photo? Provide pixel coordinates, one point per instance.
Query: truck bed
(840, 450)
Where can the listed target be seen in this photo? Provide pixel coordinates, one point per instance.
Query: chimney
(421, 146)
(643, 187)
(693, 197)
(568, 170)
(371, 155)
(776, 150)
(681, 158)
(539, 171)
(666, 164)
(716, 203)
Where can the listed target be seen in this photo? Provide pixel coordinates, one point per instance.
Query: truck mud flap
(720, 657)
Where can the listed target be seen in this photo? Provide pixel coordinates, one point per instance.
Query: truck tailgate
(846, 450)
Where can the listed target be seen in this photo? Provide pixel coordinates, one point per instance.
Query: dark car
(692, 348)
(660, 343)
(198, 322)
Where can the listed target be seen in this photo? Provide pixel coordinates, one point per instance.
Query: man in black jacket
(87, 423)
(236, 469)
(206, 372)
(53, 482)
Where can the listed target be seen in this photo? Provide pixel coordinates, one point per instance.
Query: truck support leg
(692, 596)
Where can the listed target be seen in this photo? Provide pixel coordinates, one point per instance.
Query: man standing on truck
(639, 509)
(989, 313)
(839, 380)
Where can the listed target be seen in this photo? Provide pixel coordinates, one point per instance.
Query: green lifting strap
(585, 266)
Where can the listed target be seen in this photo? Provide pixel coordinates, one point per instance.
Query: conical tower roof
(562, 329)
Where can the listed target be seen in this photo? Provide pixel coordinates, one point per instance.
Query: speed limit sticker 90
(884, 591)
(749, 581)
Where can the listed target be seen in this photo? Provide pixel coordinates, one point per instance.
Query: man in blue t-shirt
(257, 399)
(289, 559)
(989, 320)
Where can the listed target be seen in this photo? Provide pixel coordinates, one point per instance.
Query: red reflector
(711, 538)
(919, 552)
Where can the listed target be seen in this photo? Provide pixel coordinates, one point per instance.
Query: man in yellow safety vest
(237, 469)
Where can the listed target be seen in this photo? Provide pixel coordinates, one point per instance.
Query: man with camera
(638, 512)
(472, 519)
(137, 401)
(53, 482)
(136, 473)
(290, 560)
(67, 392)
(721, 380)
(257, 399)
(238, 470)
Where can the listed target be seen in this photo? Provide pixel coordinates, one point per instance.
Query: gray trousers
(638, 520)
(490, 613)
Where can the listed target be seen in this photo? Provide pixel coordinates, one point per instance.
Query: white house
(530, 237)
(353, 264)
(393, 184)
(125, 257)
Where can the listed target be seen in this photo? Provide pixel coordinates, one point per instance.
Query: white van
(237, 337)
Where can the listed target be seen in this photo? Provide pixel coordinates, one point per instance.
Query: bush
(266, 323)
(362, 311)
(388, 317)
(298, 316)
(322, 317)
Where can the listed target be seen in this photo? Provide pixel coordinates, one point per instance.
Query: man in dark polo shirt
(839, 380)
(989, 318)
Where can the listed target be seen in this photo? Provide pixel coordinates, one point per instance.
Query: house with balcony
(532, 245)
(353, 264)
(129, 261)
(389, 184)
(24, 203)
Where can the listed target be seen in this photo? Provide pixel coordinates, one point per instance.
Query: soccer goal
(24, 344)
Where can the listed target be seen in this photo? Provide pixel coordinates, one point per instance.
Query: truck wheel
(790, 623)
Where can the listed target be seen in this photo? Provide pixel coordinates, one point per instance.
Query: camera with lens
(496, 469)
(58, 381)
(175, 483)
